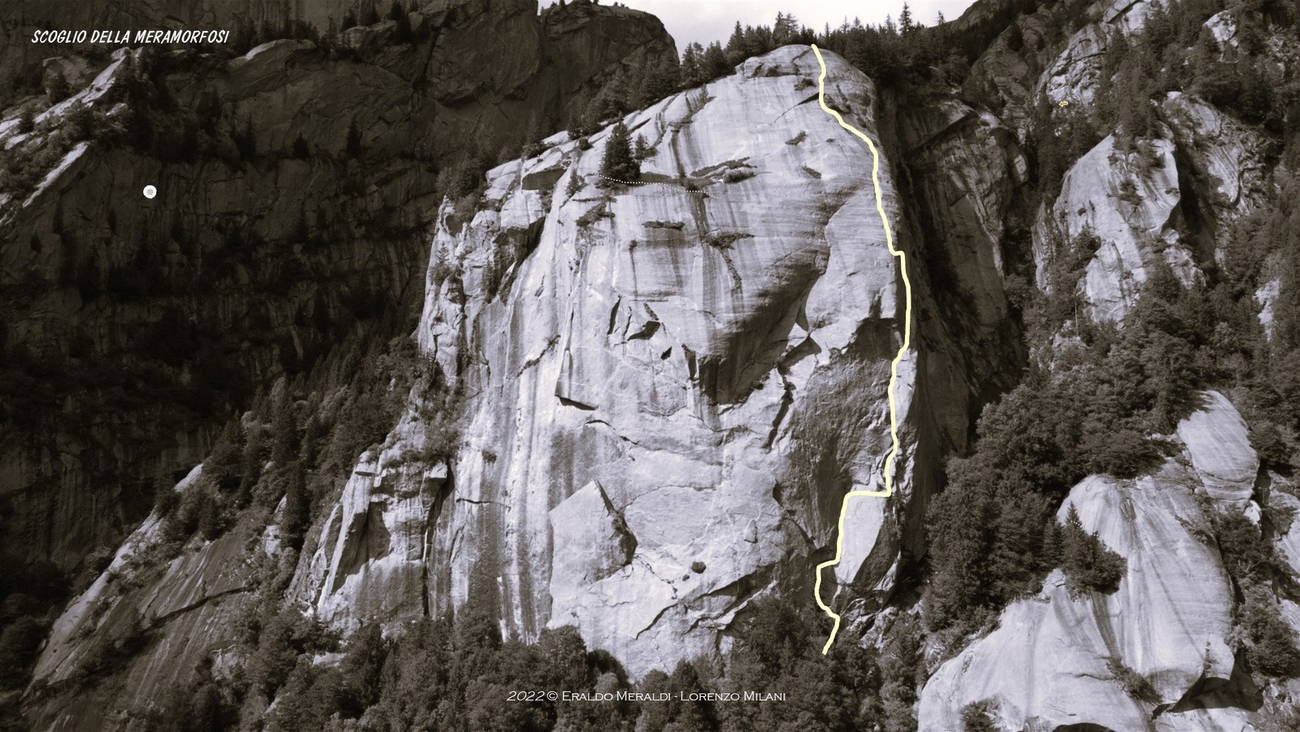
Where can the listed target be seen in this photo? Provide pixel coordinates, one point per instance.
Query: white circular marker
(150, 191)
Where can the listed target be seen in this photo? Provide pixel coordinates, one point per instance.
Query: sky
(712, 20)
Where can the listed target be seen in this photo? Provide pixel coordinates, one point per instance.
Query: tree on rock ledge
(1087, 562)
(618, 164)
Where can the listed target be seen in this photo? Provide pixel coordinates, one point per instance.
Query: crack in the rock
(198, 604)
(483, 501)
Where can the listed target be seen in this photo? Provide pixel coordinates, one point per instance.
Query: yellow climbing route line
(893, 369)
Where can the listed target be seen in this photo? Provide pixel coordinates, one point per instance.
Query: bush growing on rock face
(574, 186)
(1089, 565)
(1271, 642)
(1270, 444)
(1137, 686)
(975, 717)
(26, 120)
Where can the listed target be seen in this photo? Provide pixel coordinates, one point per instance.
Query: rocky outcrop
(1075, 74)
(1129, 201)
(143, 626)
(1056, 661)
(969, 165)
(1220, 452)
(1224, 158)
(655, 374)
(369, 563)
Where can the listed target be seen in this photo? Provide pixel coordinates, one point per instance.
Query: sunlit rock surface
(654, 373)
(1220, 452)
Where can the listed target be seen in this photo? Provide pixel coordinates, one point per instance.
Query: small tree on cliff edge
(618, 164)
(1087, 562)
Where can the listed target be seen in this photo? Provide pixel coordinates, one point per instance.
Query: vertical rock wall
(670, 386)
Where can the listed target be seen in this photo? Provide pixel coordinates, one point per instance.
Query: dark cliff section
(294, 187)
(18, 20)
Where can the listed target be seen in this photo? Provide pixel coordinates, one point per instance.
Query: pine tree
(370, 15)
(574, 186)
(784, 29)
(284, 431)
(736, 49)
(905, 21)
(1087, 562)
(58, 89)
(716, 63)
(618, 164)
(662, 79)
(312, 435)
(362, 667)
(692, 74)
(222, 466)
(641, 150)
(210, 524)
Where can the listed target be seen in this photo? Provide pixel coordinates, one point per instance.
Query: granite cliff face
(652, 374)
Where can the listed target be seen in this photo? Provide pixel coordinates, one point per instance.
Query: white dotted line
(670, 187)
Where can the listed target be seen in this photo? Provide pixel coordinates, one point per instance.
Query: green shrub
(901, 672)
(735, 175)
(641, 149)
(975, 717)
(26, 120)
(1271, 642)
(1137, 686)
(1128, 192)
(1247, 555)
(281, 640)
(1270, 444)
(297, 509)
(1088, 564)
